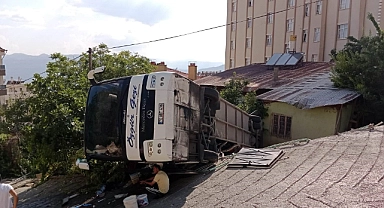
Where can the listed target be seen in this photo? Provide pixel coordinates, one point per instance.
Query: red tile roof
(199, 75)
(178, 72)
(261, 77)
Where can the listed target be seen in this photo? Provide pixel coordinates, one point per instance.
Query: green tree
(360, 66)
(233, 92)
(51, 123)
(252, 105)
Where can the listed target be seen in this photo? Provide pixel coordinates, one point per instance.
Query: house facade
(301, 100)
(311, 108)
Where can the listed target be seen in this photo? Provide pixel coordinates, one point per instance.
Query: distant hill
(201, 65)
(25, 66)
(213, 69)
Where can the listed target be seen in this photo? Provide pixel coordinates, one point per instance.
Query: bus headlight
(150, 148)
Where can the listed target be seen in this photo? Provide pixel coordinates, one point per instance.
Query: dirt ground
(52, 192)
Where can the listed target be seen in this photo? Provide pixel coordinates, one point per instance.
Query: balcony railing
(3, 90)
(2, 70)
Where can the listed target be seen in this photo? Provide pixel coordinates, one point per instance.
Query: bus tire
(214, 101)
(256, 122)
(212, 94)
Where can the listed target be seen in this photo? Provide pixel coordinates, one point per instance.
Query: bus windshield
(101, 120)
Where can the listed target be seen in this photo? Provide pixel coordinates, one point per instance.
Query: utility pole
(90, 58)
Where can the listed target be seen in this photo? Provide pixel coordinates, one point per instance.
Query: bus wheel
(214, 100)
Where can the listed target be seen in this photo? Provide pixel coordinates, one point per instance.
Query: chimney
(192, 71)
(275, 74)
(161, 67)
(292, 43)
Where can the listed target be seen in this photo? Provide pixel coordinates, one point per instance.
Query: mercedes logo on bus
(150, 114)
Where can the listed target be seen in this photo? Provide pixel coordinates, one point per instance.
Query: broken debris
(100, 193)
(255, 158)
(119, 196)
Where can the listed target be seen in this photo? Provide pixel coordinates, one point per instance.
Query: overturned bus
(161, 117)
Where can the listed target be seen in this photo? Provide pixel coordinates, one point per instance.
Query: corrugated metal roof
(260, 76)
(311, 92)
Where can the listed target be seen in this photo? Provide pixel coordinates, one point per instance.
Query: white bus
(161, 117)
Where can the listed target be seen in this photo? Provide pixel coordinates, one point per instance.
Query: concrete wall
(311, 123)
(346, 113)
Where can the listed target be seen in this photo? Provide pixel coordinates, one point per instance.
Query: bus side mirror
(91, 74)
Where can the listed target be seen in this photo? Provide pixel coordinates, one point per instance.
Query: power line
(35, 73)
(207, 29)
(194, 32)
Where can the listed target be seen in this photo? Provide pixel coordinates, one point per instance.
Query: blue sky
(72, 26)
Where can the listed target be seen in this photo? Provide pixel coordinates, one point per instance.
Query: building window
(342, 31)
(249, 22)
(314, 58)
(291, 3)
(247, 61)
(269, 40)
(233, 26)
(344, 4)
(319, 6)
(305, 34)
(270, 18)
(248, 42)
(232, 44)
(233, 6)
(316, 37)
(306, 10)
(230, 63)
(282, 126)
(290, 25)
(250, 3)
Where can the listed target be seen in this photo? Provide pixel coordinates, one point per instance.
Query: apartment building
(259, 28)
(12, 89)
(16, 89)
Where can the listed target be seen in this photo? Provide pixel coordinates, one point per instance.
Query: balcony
(3, 90)
(2, 70)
